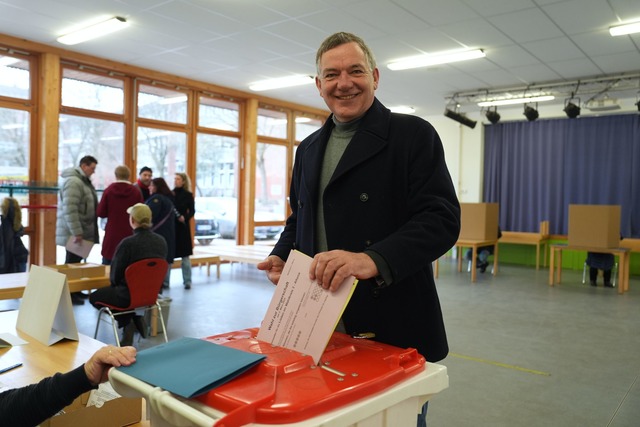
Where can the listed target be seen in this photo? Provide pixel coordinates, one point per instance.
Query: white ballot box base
(396, 406)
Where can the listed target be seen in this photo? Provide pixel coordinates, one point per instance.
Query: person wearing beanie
(144, 179)
(143, 244)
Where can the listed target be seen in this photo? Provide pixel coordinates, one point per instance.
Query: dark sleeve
(191, 207)
(30, 405)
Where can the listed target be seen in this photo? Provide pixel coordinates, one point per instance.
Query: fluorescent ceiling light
(621, 30)
(281, 82)
(435, 59)
(404, 109)
(512, 101)
(93, 31)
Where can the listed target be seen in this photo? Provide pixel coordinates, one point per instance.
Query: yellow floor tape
(500, 364)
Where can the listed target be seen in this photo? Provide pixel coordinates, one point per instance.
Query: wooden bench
(528, 238)
(200, 258)
(632, 244)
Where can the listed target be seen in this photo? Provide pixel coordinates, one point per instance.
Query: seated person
(142, 245)
(483, 255)
(30, 405)
(598, 261)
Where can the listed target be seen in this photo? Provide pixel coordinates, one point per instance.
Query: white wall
(464, 150)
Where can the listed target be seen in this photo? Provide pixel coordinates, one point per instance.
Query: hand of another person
(273, 266)
(97, 367)
(331, 268)
(77, 239)
(181, 218)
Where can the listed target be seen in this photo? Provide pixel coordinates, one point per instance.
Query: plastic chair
(613, 278)
(144, 279)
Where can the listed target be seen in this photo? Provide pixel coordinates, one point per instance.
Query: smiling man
(371, 196)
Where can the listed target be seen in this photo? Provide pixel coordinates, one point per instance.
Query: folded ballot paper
(190, 367)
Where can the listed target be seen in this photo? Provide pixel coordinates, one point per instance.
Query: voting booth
(356, 381)
(478, 221)
(596, 226)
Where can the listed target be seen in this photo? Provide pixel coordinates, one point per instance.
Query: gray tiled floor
(522, 353)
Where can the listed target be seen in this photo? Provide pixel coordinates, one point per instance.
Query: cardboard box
(114, 413)
(595, 226)
(80, 270)
(479, 221)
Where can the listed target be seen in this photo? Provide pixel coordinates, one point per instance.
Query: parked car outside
(207, 227)
(225, 211)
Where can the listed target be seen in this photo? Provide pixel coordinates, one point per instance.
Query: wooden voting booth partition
(592, 228)
(479, 228)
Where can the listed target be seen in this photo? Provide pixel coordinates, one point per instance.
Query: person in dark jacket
(185, 205)
(600, 261)
(143, 244)
(164, 216)
(144, 180)
(371, 196)
(115, 201)
(13, 255)
(33, 404)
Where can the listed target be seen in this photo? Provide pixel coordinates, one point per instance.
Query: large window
(271, 182)
(272, 123)
(163, 151)
(219, 114)
(162, 104)
(14, 77)
(92, 91)
(217, 165)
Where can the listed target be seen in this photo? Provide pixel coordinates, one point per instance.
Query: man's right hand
(273, 266)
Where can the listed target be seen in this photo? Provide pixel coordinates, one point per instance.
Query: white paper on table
(9, 340)
(302, 315)
(82, 248)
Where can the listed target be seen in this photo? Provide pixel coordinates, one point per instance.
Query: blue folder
(190, 367)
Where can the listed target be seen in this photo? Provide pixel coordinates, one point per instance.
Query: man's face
(346, 83)
(88, 169)
(145, 177)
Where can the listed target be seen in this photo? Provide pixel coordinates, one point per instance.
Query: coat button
(364, 197)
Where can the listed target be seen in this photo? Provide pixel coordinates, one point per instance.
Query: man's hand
(77, 239)
(273, 266)
(97, 367)
(331, 268)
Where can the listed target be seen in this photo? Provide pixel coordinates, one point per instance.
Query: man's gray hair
(339, 39)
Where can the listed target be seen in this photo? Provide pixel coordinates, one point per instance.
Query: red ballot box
(355, 380)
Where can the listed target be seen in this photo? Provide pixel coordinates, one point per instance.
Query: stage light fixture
(492, 115)
(571, 110)
(460, 118)
(531, 113)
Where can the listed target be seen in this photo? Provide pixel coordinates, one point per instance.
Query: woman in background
(163, 220)
(13, 254)
(185, 205)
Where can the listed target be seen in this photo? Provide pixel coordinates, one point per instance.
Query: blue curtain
(534, 170)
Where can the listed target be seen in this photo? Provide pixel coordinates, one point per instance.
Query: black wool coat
(391, 193)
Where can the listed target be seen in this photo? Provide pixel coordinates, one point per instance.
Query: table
(41, 361)
(12, 285)
(555, 272)
(474, 244)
